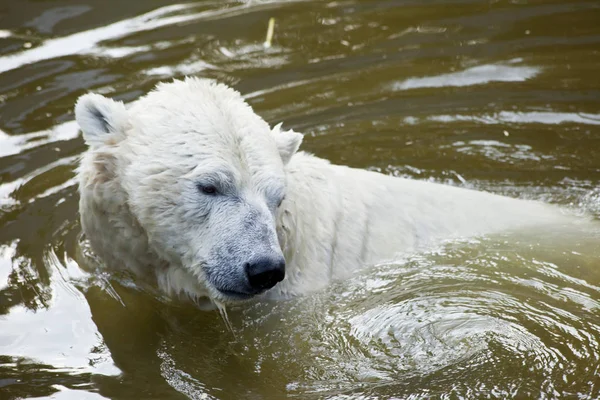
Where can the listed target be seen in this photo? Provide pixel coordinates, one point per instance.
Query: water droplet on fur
(223, 312)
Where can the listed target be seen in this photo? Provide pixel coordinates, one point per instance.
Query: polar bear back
(344, 218)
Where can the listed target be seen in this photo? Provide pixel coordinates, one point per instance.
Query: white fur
(100, 118)
(141, 208)
(287, 142)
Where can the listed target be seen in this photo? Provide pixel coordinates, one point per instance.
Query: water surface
(495, 95)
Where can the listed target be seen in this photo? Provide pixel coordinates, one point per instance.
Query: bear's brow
(222, 178)
(274, 185)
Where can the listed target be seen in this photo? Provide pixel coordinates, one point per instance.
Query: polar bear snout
(265, 272)
(252, 278)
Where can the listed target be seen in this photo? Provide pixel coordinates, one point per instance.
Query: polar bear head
(201, 174)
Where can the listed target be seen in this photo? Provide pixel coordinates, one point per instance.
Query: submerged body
(191, 189)
(339, 219)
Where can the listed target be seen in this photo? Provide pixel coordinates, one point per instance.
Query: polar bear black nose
(266, 272)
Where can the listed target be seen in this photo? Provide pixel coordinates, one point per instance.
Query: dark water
(497, 95)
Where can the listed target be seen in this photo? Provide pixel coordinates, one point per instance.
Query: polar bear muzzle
(265, 273)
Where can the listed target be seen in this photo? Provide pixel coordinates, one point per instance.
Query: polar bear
(191, 189)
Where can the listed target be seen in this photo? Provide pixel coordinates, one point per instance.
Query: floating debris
(270, 30)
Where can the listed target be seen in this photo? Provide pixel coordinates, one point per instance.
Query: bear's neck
(311, 224)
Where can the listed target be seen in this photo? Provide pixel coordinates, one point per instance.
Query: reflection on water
(473, 76)
(499, 96)
(537, 117)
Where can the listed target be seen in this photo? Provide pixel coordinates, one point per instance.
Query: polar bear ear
(287, 142)
(100, 119)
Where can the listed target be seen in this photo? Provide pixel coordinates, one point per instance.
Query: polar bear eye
(207, 189)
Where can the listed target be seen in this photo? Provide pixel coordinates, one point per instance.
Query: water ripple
(472, 76)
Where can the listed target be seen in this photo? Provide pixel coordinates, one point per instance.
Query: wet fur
(141, 208)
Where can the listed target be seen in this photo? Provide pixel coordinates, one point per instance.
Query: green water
(496, 95)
